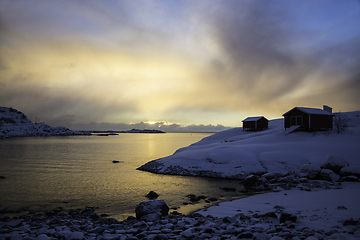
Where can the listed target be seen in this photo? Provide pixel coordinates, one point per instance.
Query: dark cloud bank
(266, 56)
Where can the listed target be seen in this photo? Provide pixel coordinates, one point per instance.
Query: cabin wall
(296, 118)
(262, 123)
(321, 122)
(249, 125)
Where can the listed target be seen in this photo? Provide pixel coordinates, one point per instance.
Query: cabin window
(296, 120)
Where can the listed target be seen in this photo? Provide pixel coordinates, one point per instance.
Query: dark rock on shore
(193, 198)
(256, 183)
(287, 217)
(152, 195)
(269, 214)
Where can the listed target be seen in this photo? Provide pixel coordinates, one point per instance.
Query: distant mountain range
(134, 130)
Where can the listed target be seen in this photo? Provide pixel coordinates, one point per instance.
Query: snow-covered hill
(14, 123)
(237, 154)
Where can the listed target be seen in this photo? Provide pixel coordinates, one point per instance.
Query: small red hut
(255, 123)
(309, 118)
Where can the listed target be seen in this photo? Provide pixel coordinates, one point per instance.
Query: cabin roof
(310, 111)
(252, 119)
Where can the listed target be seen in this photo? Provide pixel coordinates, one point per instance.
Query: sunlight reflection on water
(77, 171)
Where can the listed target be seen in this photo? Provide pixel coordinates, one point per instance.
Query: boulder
(350, 171)
(42, 237)
(77, 236)
(151, 210)
(152, 195)
(250, 181)
(272, 176)
(334, 163)
(310, 170)
(287, 179)
(329, 175)
(287, 217)
(193, 198)
(268, 214)
(256, 183)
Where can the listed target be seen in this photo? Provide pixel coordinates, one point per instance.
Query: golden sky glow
(73, 63)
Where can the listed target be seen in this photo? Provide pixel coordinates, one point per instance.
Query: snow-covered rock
(334, 163)
(350, 171)
(77, 236)
(271, 175)
(151, 210)
(14, 123)
(12, 116)
(349, 179)
(42, 237)
(329, 175)
(311, 170)
(256, 183)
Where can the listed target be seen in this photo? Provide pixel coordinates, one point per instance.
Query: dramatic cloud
(189, 63)
(259, 60)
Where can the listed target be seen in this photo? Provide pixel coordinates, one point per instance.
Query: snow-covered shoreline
(36, 130)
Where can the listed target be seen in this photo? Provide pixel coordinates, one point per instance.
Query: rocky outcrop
(329, 175)
(14, 123)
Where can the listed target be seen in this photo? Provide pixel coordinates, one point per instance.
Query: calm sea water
(42, 173)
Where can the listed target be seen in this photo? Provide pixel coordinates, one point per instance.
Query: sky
(176, 64)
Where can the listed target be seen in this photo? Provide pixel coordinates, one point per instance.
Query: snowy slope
(236, 154)
(12, 116)
(14, 123)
